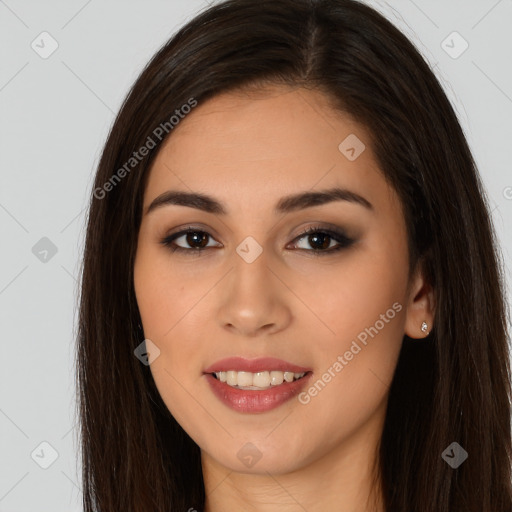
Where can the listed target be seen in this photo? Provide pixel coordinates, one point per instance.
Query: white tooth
(245, 379)
(231, 378)
(276, 378)
(261, 380)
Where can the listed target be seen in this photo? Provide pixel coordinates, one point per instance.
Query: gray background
(54, 116)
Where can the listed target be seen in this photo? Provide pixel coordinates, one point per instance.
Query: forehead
(259, 145)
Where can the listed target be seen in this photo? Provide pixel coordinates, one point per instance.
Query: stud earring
(424, 327)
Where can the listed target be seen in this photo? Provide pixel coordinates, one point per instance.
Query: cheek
(350, 296)
(172, 303)
(164, 294)
(363, 305)
(154, 291)
(166, 305)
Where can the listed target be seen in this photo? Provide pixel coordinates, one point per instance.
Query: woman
(291, 290)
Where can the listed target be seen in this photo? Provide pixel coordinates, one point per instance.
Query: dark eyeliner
(340, 237)
(168, 240)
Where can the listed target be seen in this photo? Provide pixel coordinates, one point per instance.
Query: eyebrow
(286, 204)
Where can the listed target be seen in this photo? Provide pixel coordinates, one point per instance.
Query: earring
(424, 327)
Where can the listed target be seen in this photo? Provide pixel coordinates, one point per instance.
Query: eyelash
(343, 241)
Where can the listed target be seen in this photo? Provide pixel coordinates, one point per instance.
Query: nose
(254, 299)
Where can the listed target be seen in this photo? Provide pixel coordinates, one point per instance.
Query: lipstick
(254, 400)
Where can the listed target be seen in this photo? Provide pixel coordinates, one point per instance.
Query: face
(273, 265)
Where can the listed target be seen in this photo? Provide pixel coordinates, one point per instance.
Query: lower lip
(254, 401)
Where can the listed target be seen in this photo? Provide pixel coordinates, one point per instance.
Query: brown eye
(321, 240)
(196, 237)
(194, 240)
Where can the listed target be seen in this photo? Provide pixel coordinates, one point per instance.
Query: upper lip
(254, 365)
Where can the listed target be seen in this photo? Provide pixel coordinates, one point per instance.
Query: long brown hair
(455, 387)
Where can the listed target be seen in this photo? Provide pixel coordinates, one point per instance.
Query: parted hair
(454, 387)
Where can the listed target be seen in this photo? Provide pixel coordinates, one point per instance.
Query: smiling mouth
(257, 381)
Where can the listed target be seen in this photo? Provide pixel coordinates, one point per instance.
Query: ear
(420, 305)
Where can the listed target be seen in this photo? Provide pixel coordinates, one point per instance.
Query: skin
(248, 150)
